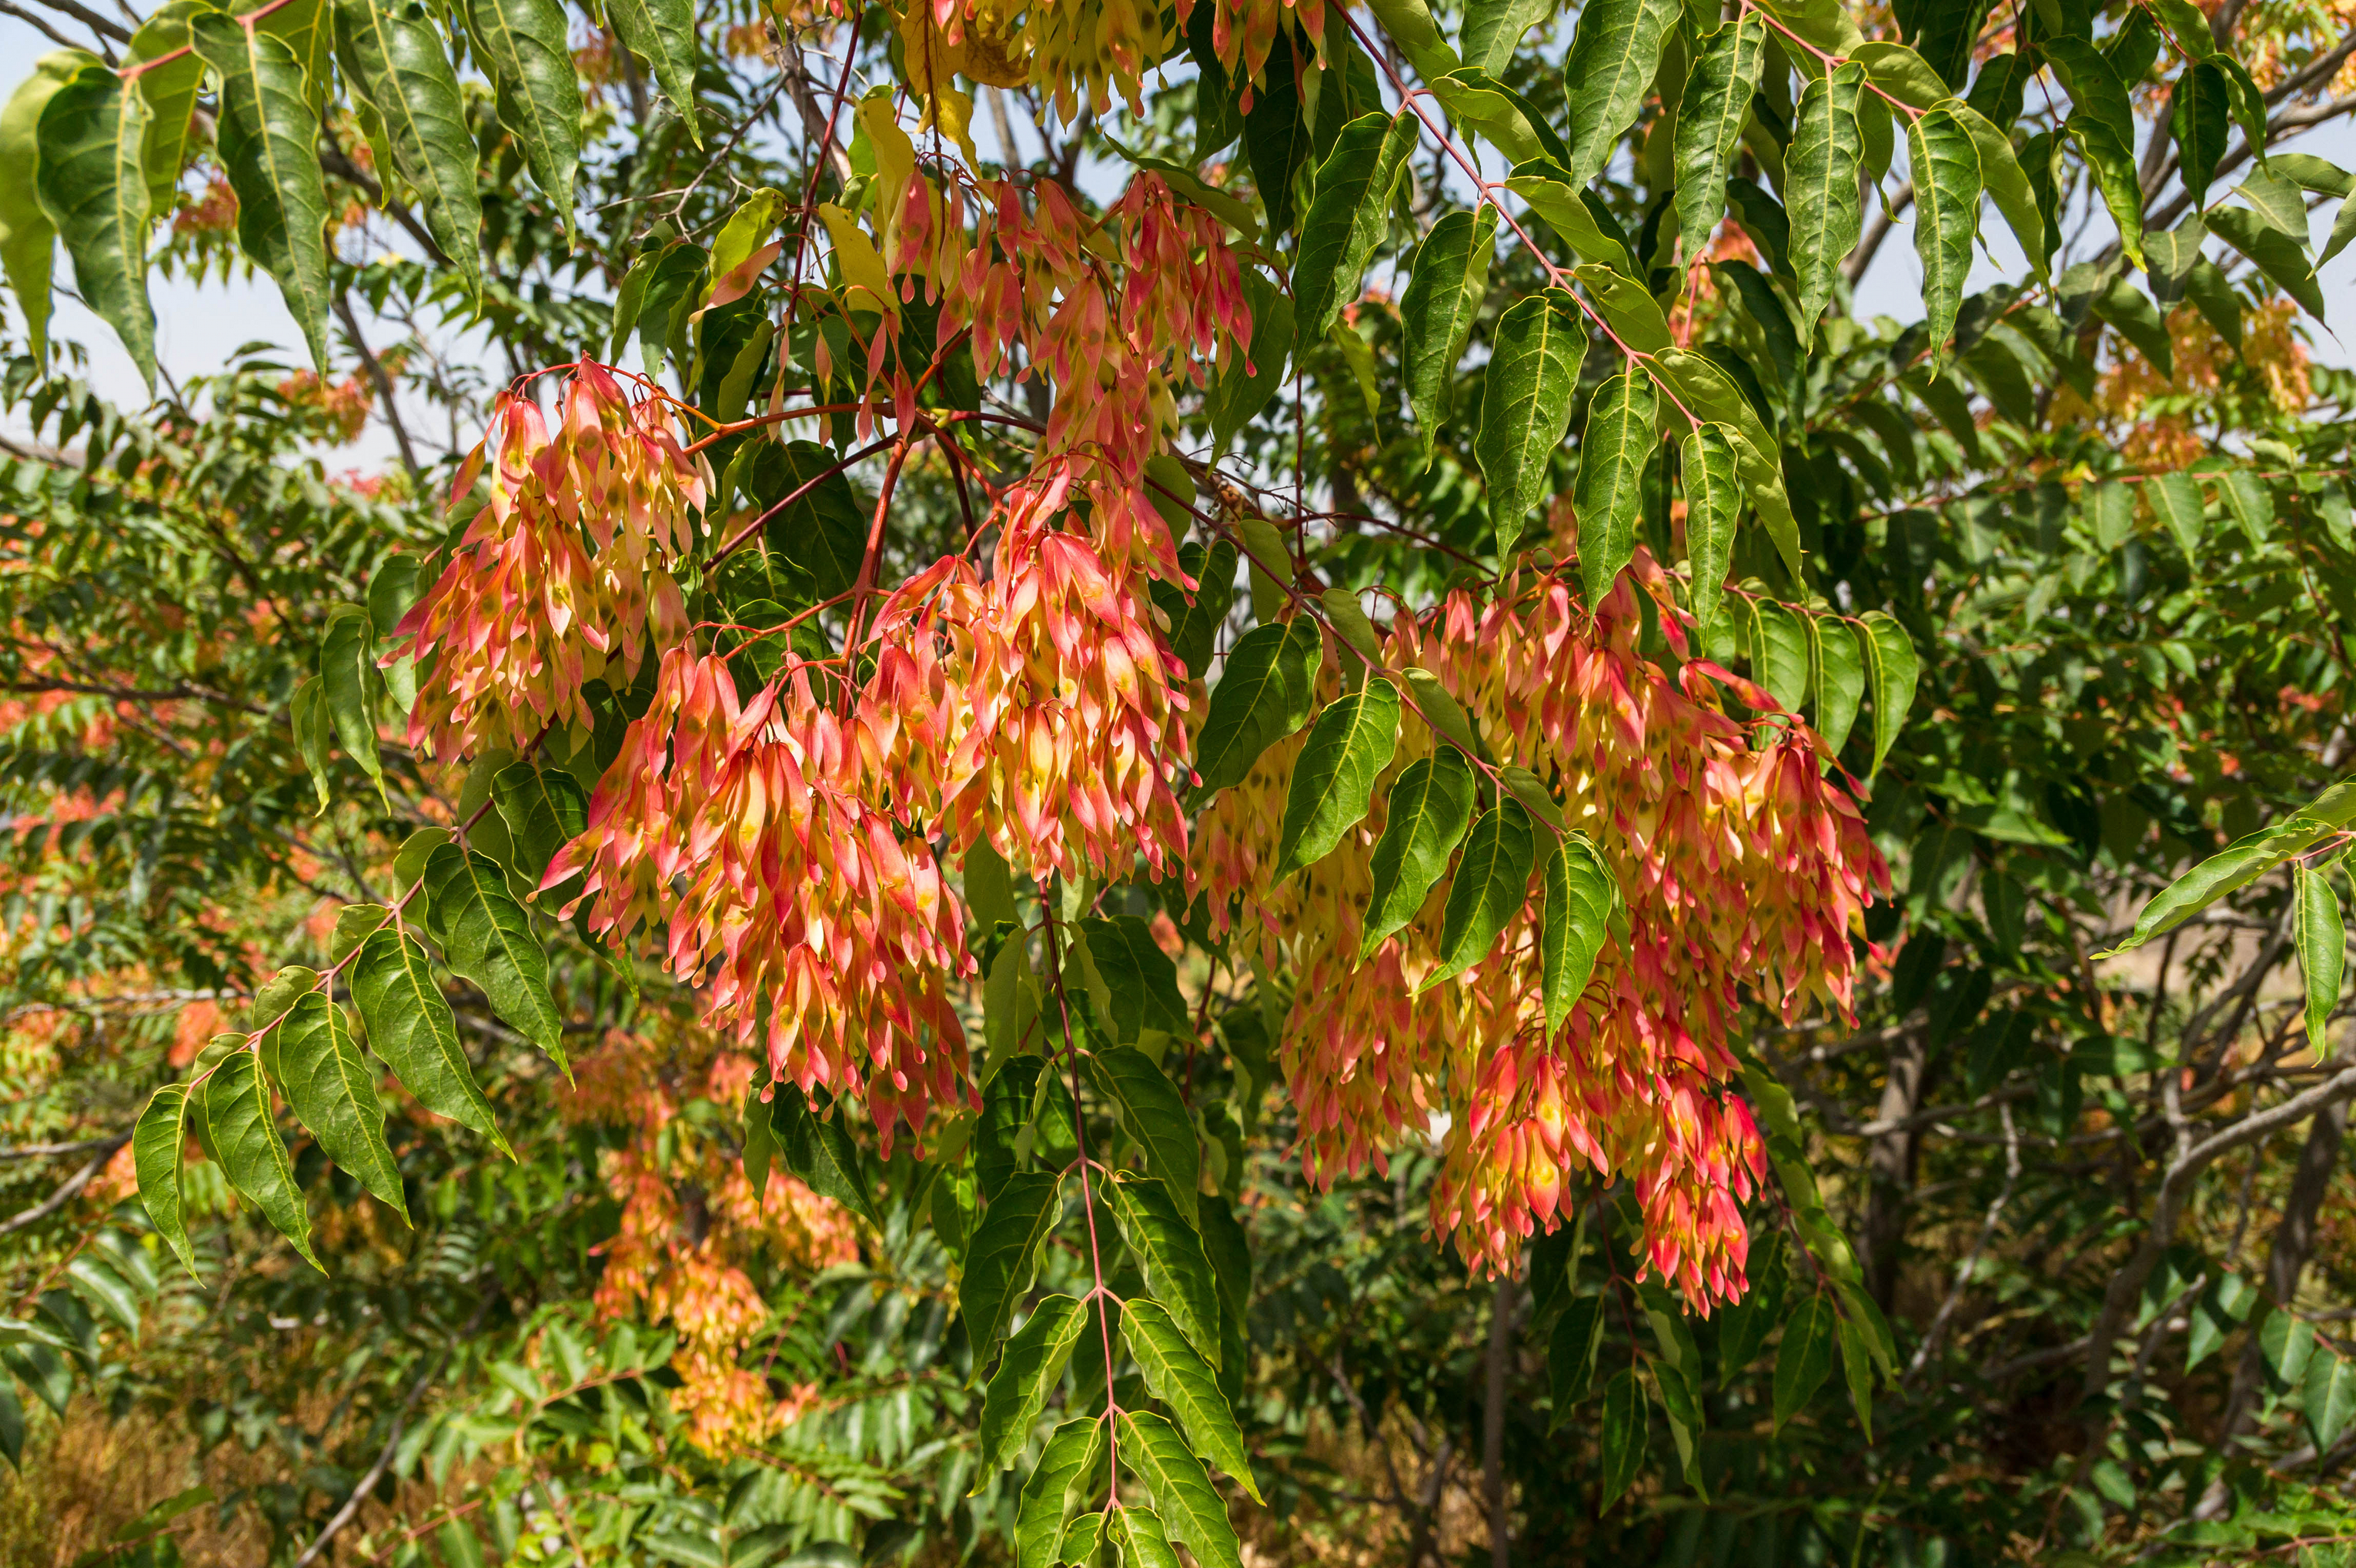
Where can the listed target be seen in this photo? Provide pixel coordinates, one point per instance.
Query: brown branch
(66, 1192)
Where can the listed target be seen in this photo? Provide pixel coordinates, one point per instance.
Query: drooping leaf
(760, 1146)
(1614, 55)
(1890, 665)
(2327, 1395)
(411, 1026)
(1276, 135)
(1491, 883)
(2175, 500)
(1055, 1489)
(396, 64)
(1580, 894)
(1618, 441)
(2198, 116)
(1347, 216)
(243, 1127)
(2320, 935)
(1190, 1507)
(1142, 1538)
(1779, 654)
(1333, 781)
(1155, 1114)
(28, 241)
(2275, 253)
(1027, 1373)
(1506, 119)
(1805, 1358)
(819, 1153)
(1945, 162)
(156, 1146)
(268, 141)
(92, 186)
(347, 684)
(1424, 819)
(1840, 681)
(487, 937)
(1176, 1374)
(1710, 116)
(1250, 380)
(1170, 1250)
(1263, 696)
(333, 1092)
(662, 34)
(544, 807)
(306, 712)
(1142, 979)
(1525, 406)
(1003, 1252)
(1821, 189)
(1195, 627)
(1435, 313)
(1493, 30)
(1622, 1434)
(2241, 863)
(1697, 383)
(1713, 502)
(522, 44)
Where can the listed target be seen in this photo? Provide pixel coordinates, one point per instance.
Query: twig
(65, 1194)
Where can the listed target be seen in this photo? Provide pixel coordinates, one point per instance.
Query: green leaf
(1622, 431)
(1333, 781)
(170, 88)
(1710, 116)
(1155, 1114)
(2213, 295)
(333, 1092)
(1945, 162)
(1003, 1252)
(523, 45)
(1531, 791)
(1436, 313)
(1525, 406)
(487, 937)
(1143, 1540)
(2175, 500)
(2241, 863)
(2275, 253)
(1779, 654)
(1348, 217)
(2008, 184)
(1409, 24)
(1176, 1374)
(1250, 380)
(1510, 121)
(822, 1156)
(2110, 509)
(1840, 680)
(544, 810)
(244, 1133)
(268, 144)
(1613, 56)
(2280, 203)
(1428, 809)
(760, 1141)
(156, 1146)
(2139, 321)
(1190, 1507)
(1805, 1358)
(1263, 695)
(1029, 1371)
(1351, 624)
(2321, 936)
(1492, 881)
(1820, 189)
(662, 34)
(1143, 982)
(1856, 1371)
(1195, 627)
(2198, 114)
(1580, 893)
(1571, 1353)
(1713, 502)
(307, 713)
(349, 684)
(2289, 1343)
(1276, 135)
(2248, 502)
(2327, 1395)
(411, 1026)
(1890, 666)
(1053, 1490)
(107, 1291)
(1623, 1434)
(28, 241)
(1702, 386)
(1493, 30)
(12, 1424)
(1571, 213)
(395, 63)
(92, 186)
(1170, 1250)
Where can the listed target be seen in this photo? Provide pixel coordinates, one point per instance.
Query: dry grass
(85, 1477)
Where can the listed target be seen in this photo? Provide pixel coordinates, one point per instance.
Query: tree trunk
(1493, 1420)
(1889, 1172)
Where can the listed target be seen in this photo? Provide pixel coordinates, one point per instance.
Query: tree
(810, 665)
